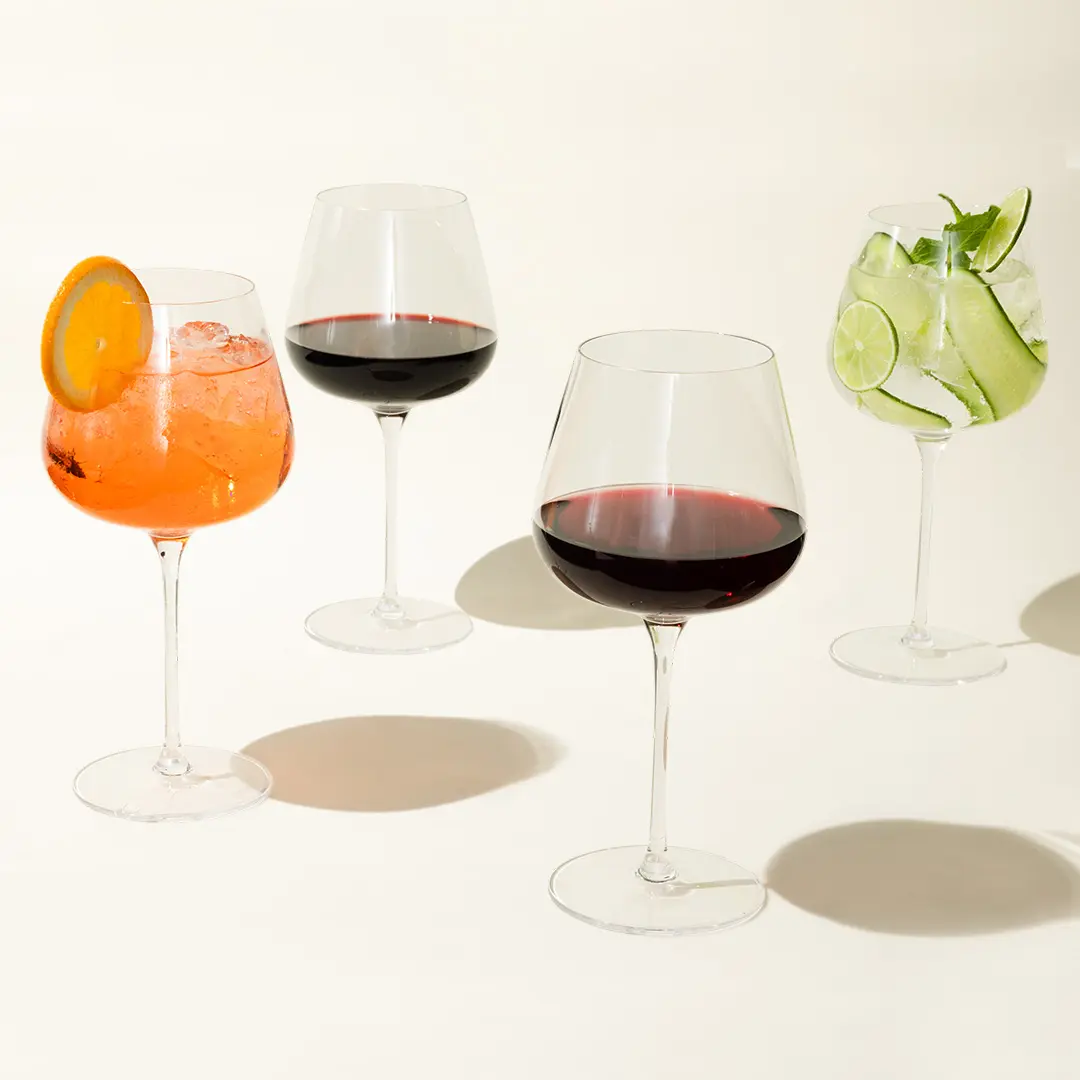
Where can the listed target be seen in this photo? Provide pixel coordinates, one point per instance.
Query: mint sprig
(961, 238)
(955, 209)
(969, 229)
(928, 252)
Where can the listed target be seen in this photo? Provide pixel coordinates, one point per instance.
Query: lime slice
(1040, 349)
(865, 346)
(1002, 235)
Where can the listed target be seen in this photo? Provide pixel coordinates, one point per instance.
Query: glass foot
(708, 892)
(953, 658)
(126, 785)
(358, 626)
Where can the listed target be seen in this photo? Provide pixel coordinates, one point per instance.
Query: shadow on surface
(1053, 617)
(380, 763)
(926, 878)
(511, 586)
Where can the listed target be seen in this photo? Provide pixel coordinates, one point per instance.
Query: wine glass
(391, 308)
(200, 434)
(935, 339)
(670, 489)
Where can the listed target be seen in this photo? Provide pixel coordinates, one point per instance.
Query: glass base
(126, 785)
(953, 658)
(708, 893)
(359, 626)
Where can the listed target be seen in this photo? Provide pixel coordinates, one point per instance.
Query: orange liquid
(180, 450)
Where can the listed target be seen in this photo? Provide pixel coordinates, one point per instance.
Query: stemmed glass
(200, 434)
(391, 308)
(935, 348)
(670, 489)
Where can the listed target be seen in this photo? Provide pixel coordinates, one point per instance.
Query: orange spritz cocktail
(166, 413)
(200, 434)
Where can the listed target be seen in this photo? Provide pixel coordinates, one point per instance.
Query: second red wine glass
(670, 490)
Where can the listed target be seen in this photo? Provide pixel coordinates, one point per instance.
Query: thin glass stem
(656, 866)
(391, 425)
(171, 761)
(918, 634)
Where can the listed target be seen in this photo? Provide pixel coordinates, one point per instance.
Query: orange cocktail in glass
(202, 439)
(167, 414)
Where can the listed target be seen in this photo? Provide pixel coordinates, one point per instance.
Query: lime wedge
(1002, 235)
(865, 346)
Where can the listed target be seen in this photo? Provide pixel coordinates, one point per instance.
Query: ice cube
(232, 407)
(928, 275)
(199, 337)
(246, 351)
(1018, 294)
(1009, 271)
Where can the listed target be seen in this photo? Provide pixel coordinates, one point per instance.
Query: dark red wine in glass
(391, 309)
(390, 361)
(665, 550)
(670, 490)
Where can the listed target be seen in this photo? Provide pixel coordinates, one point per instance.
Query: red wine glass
(670, 489)
(391, 308)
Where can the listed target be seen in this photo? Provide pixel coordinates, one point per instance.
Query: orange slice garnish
(97, 331)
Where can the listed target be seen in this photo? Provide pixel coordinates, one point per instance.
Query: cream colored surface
(703, 165)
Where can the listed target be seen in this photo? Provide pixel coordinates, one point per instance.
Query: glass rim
(768, 357)
(241, 286)
(890, 215)
(445, 197)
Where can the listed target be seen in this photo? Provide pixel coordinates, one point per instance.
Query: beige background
(703, 165)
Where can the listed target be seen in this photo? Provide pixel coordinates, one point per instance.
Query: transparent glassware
(200, 435)
(933, 392)
(391, 308)
(670, 489)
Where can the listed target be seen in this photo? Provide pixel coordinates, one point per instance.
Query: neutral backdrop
(688, 164)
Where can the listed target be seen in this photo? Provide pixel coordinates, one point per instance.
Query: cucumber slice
(908, 301)
(1003, 234)
(892, 410)
(1008, 372)
(882, 254)
(949, 369)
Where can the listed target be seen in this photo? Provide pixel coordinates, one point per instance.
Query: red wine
(391, 361)
(664, 550)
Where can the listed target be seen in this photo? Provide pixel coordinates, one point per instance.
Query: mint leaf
(939, 255)
(967, 232)
(928, 252)
(955, 209)
(959, 237)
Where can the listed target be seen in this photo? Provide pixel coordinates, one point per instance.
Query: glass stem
(391, 424)
(656, 866)
(171, 761)
(930, 450)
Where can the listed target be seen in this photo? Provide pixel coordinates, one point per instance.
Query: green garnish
(961, 239)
